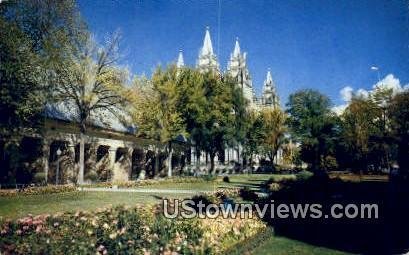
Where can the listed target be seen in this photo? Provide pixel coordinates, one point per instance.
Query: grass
(266, 243)
(275, 245)
(16, 207)
(19, 206)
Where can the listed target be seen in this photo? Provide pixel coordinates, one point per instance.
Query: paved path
(145, 190)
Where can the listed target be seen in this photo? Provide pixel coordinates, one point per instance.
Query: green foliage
(313, 125)
(35, 38)
(399, 113)
(21, 77)
(247, 194)
(282, 178)
(50, 189)
(304, 175)
(329, 163)
(209, 177)
(92, 176)
(202, 106)
(39, 177)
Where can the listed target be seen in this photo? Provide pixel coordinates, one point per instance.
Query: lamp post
(58, 166)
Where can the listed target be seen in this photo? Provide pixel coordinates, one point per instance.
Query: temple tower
(207, 60)
(237, 68)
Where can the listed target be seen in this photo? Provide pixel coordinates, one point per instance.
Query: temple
(237, 68)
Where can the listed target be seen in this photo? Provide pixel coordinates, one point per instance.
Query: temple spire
(270, 97)
(207, 44)
(207, 60)
(269, 79)
(180, 63)
(236, 51)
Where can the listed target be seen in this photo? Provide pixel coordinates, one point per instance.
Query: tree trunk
(212, 168)
(170, 159)
(197, 154)
(82, 159)
(271, 157)
(156, 164)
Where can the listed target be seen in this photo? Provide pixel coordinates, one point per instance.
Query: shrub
(304, 175)
(226, 179)
(39, 178)
(247, 194)
(283, 178)
(275, 187)
(149, 182)
(209, 177)
(50, 189)
(329, 163)
(92, 176)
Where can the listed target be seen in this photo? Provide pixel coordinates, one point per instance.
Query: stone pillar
(112, 156)
(156, 164)
(71, 151)
(129, 162)
(192, 156)
(46, 156)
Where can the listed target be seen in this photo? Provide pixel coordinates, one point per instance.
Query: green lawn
(283, 246)
(19, 206)
(15, 207)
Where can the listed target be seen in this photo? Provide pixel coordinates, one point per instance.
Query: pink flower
(38, 229)
(19, 232)
(37, 222)
(100, 248)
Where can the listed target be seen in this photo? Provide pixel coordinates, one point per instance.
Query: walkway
(145, 190)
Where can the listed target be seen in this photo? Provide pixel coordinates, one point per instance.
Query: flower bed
(37, 190)
(131, 230)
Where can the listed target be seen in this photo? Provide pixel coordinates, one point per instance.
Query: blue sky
(319, 44)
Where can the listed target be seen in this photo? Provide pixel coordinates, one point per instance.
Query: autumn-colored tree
(272, 130)
(155, 109)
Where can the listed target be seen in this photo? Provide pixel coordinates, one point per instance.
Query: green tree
(313, 125)
(37, 39)
(21, 78)
(191, 103)
(253, 135)
(241, 112)
(399, 112)
(216, 127)
(382, 140)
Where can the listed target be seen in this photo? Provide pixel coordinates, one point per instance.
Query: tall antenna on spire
(219, 13)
